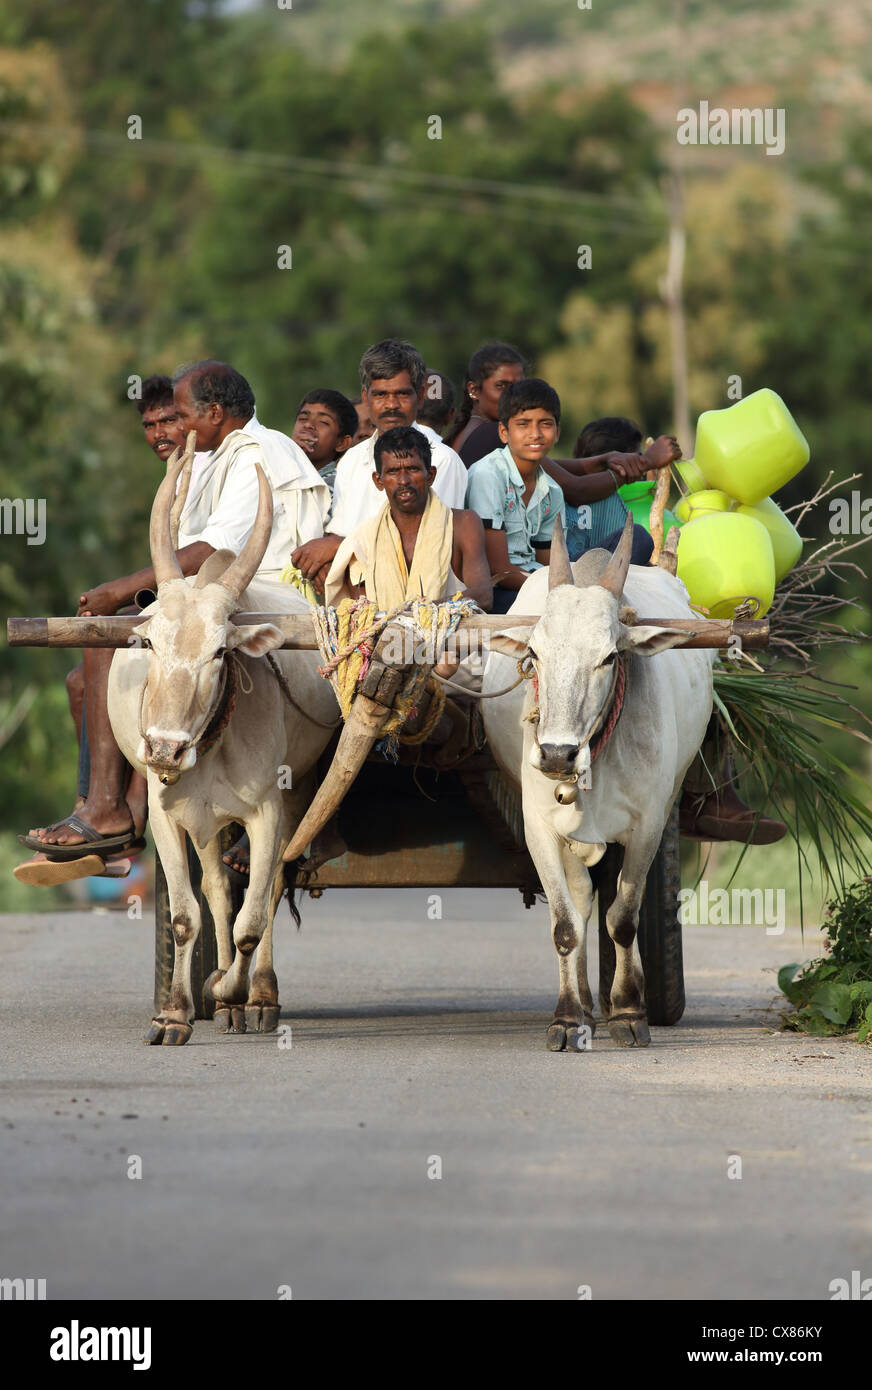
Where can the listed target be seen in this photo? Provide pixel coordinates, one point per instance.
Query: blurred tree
(616, 355)
(62, 444)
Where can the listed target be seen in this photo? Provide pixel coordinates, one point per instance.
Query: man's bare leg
(76, 696)
(75, 683)
(105, 808)
(137, 799)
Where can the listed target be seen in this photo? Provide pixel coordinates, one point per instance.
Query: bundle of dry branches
(801, 613)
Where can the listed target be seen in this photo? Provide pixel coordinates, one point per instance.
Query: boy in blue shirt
(516, 499)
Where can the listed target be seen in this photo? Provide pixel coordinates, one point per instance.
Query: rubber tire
(659, 935)
(205, 957)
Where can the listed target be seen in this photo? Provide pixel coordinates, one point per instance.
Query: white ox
(576, 650)
(163, 698)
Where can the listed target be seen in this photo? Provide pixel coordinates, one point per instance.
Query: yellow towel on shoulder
(374, 553)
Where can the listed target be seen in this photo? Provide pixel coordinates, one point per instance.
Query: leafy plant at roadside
(834, 994)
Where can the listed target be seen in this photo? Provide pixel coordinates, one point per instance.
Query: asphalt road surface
(418, 1045)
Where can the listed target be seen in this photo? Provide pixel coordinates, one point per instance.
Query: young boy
(516, 499)
(325, 426)
(613, 438)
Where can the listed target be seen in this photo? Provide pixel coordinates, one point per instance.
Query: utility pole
(674, 296)
(674, 285)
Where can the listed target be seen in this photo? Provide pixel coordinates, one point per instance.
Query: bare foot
(237, 857)
(113, 820)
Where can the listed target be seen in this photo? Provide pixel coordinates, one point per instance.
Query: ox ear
(254, 639)
(508, 646)
(213, 567)
(648, 641)
(138, 636)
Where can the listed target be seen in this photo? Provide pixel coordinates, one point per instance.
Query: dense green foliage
(308, 128)
(834, 994)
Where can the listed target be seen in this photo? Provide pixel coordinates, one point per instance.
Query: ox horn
(238, 575)
(559, 568)
(163, 554)
(184, 483)
(614, 576)
(365, 721)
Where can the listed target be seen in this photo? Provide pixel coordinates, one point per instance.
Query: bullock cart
(411, 823)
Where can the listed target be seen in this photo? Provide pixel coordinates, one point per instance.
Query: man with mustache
(160, 420)
(414, 545)
(216, 402)
(393, 378)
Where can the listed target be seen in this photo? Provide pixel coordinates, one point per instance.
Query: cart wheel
(659, 927)
(205, 957)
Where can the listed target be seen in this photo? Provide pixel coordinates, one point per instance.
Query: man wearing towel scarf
(218, 403)
(415, 546)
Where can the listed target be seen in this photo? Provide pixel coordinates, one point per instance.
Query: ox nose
(169, 758)
(165, 752)
(558, 758)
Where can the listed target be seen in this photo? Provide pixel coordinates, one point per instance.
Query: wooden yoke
(117, 631)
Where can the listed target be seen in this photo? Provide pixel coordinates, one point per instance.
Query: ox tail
(289, 874)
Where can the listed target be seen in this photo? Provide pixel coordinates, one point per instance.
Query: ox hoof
(176, 1034)
(557, 1039)
(629, 1032)
(262, 1018)
(211, 982)
(168, 1033)
(230, 1019)
(571, 1037)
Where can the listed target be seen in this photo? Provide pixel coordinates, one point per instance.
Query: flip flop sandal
(94, 842)
(45, 873)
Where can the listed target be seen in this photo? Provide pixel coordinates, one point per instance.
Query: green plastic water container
(699, 504)
(724, 558)
(786, 540)
(752, 448)
(691, 474)
(638, 498)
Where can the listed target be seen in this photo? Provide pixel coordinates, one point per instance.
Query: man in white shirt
(219, 513)
(393, 377)
(222, 497)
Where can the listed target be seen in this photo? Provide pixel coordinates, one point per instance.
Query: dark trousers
(643, 549)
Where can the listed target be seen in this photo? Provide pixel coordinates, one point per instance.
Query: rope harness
(347, 636)
(286, 691)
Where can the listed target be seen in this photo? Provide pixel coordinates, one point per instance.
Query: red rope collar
(608, 728)
(220, 717)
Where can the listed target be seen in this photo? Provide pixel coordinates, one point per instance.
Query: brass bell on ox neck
(566, 792)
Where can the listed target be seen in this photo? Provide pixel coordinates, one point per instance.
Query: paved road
(414, 1039)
